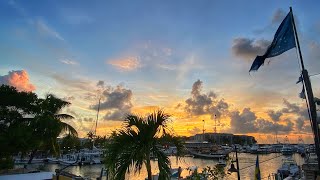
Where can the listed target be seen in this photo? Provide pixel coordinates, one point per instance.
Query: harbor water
(269, 163)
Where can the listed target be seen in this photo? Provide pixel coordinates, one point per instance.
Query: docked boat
(207, 150)
(276, 148)
(221, 163)
(287, 150)
(69, 159)
(264, 150)
(174, 174)
(52, 160)
(210, 155)
(289, 170)
(26, 160)
(171, 150)
(254, 149)
(90, 156)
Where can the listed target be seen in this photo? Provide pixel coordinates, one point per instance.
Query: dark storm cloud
(117, 102)
(265, 126)
(295, 109)
(249, 48)
(243, 122)
(100, 84)
(302, 123)
(247, 122)
(274, 115)
(200, 103)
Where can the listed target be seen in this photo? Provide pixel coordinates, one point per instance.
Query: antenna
(215, 123)
(203, 130)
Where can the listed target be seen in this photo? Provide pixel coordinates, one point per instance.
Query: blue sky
(157, 50)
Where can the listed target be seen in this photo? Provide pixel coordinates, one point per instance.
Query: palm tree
(48, 125)
(132, 146)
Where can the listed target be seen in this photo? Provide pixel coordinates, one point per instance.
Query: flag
(257, 175)
(302, 95)
(283, 41)
(300, 79)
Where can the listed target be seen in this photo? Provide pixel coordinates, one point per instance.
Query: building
(224, 138)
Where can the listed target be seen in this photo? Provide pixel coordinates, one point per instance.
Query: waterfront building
(224, 138)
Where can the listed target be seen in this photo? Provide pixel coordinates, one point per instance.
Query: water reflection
(246, 163)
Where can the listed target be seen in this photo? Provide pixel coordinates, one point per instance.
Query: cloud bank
(249, 48)
(116, 101)
(200, 103)
(18, 79)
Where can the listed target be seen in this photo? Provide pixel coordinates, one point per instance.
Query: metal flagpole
(310, 98)
(95, 129)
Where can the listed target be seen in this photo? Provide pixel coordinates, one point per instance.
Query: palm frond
(63, 116)
(68, 128)
(132, 145)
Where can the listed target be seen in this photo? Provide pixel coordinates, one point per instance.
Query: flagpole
(297, 39)
(310, 99)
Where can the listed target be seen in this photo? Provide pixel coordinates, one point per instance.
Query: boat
(276, 148)
(26, 160)
(52, 160)
(90, 156)
(254, 149)
(264, 150)
(175, 173)
(171, 150)
(287, 150)
(69, 159)
(207, 150)
(288, 170)
(221, 163)
(212, 155)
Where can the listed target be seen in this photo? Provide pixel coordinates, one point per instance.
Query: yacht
(254, 148)
(287, 150)
(264, 150)
(69, 159)
(221, 162)
(90, 156)
(289, 169)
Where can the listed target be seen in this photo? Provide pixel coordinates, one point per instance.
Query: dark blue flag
(283, 41)
(257, 175)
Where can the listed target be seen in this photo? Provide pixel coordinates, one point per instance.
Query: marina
(246, 163)
(157, 91)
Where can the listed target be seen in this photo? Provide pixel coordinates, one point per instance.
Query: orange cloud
(18, 79)
(126, 64)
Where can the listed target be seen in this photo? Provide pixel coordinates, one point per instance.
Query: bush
(6, 163)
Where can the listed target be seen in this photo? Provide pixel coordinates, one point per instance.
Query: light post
(232, 168)
(203, 130)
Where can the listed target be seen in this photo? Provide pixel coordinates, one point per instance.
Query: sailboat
(92, 156)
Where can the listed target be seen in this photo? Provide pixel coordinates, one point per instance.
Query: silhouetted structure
(224, 138)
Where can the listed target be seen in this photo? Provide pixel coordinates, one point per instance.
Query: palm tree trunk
(148, 166)
(32, 155)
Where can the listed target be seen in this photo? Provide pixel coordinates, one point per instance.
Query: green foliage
(132, 146)
(29, 123)
(70, 142)
(6, 163)
(215, 173)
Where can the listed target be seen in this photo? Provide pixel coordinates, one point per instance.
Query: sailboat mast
(95, 129)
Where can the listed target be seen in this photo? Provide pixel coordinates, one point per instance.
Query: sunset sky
(190, 58)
